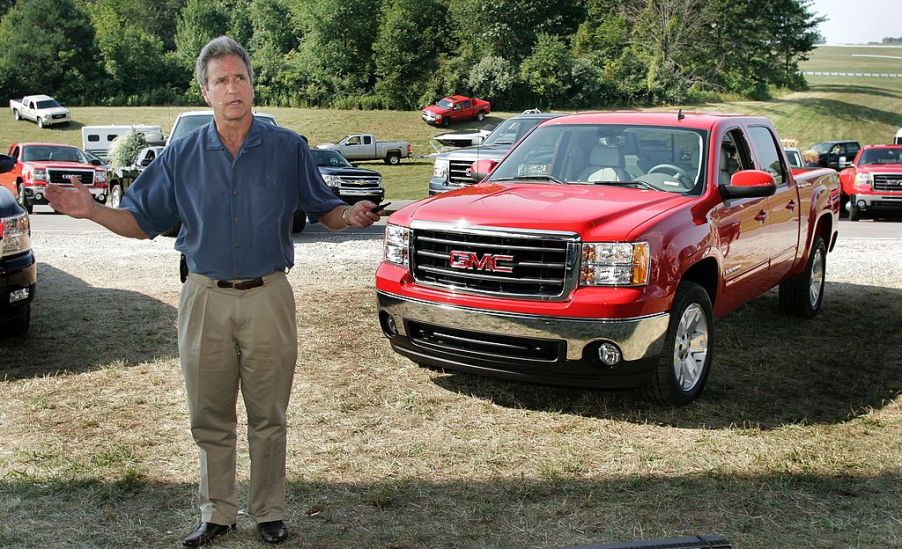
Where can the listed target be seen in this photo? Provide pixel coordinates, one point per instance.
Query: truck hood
(478, 152)
(595, 212)
(880, 168)
(329, 170)
(328, 146)
(435, 109)
(61, 165)
(54, 110)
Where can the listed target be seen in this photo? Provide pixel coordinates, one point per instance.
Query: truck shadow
(836, 110)
(769, 370)
(77, 328)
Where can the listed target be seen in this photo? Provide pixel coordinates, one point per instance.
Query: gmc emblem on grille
(495, 263)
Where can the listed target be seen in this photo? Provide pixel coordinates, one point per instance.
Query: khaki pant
(228, 339)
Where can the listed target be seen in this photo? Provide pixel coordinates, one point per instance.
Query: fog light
(18, 295)
(38, 196)
(609, 354)
(862, 204)
(389, 328)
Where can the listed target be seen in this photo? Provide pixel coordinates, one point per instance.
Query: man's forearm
(120, 221)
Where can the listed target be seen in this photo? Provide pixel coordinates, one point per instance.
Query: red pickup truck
(40, 163)
(874, 182)
(456, 108)
(600, 249)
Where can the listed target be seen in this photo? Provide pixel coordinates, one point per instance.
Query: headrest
(604, 155)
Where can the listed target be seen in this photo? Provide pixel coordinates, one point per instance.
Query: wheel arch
(705, 274)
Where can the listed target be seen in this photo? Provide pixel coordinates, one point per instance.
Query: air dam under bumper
(553, 350)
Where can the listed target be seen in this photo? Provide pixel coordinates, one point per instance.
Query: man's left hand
(360, 215)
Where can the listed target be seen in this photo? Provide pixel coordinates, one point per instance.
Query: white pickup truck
(41, 109)
(364, 146)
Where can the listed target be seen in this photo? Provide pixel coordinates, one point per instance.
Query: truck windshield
(881, 156)
(329, 158)
(47, 104)
(822, 148)
(45, 153)
(445, 103)
(511, 130)
(643, 157)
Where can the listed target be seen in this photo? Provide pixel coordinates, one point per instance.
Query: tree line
(402, 54)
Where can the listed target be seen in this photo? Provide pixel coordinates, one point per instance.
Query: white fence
(858, 74)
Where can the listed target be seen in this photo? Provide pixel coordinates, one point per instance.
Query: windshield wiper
(642, 184)
(537, 177)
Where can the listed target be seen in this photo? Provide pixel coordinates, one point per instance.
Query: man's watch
(344, 215)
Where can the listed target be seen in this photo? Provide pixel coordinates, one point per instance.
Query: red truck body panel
(737, 248)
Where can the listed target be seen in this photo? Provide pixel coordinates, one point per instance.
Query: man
(235, 185)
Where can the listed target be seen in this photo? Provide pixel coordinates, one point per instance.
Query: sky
(859, 21)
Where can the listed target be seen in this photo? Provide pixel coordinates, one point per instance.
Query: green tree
(48, 47)
(495, 78)
(407, 49)
(271, 42)
(199, 22)
(546, 71)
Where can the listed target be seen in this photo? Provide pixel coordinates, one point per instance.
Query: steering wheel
(676, 171)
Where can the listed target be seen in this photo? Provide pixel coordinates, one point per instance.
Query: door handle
(761, 216)
(791, 206)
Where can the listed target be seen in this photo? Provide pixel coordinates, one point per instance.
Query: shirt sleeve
(151, 197)
(316, 198)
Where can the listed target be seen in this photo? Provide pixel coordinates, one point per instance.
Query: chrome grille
(479, 345)
(61, 175)
(359, 182)
(457, 172)
(543, 263)
(888, 182)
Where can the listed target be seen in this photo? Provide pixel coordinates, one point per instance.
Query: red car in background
(874, 182)
(456, 108)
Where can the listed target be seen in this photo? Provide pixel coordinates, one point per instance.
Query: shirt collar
(253, 138)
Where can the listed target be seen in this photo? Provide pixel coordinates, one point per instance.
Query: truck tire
(20, 324)
(803, 294)
(682, 369)
(40, 122)
(115, 195)
(16, 114)
(446, 121)
(23, 200)
(393, 158)
(854, 212)
(299, 222)
(480, 116)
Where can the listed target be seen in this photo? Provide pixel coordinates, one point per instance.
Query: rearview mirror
(481, 168)
(749, 184)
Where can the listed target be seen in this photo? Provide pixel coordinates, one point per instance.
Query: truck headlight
(100, 176)
(397, 245)
(15, 234)
(441, 167)
(332, 180)
(615, 264)
(39, 174)
(864, 180)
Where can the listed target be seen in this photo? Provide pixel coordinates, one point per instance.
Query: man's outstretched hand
(75, 201)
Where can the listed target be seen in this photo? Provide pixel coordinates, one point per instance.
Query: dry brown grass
(794, 444)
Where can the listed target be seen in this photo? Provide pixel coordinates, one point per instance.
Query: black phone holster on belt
(183, 269)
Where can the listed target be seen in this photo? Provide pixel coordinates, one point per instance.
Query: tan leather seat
(605, 164)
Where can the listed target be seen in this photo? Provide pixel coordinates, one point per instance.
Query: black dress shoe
(206, 533)
(273, 532)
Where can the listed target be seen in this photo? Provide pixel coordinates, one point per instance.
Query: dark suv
(18, 271)
(836, 154)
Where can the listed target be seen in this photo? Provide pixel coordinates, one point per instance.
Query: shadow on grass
(76, 328)
(868, 90)
(769, 370)
(773, 510)
(850, 112)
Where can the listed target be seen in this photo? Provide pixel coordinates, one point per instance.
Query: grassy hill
(835, 107)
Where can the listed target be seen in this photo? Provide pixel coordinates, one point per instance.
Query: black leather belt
(240, 284)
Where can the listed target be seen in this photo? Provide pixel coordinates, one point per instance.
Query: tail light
(15, 234)
(408, 149)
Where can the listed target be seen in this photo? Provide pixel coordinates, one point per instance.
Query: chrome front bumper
(637, 338)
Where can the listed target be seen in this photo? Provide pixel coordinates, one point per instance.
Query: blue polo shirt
(236, 213)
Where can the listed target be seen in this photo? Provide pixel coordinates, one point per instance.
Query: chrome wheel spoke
(690, 347)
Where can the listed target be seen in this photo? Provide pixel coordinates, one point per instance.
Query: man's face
(228, 91)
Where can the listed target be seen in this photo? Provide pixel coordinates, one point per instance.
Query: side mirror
(749, 184)
(7, 163)
(146, 162)
(481, 168)
(96, 162)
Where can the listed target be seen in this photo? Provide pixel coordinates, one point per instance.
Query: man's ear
(203, 93)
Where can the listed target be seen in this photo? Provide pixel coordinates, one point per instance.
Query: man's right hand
(75, 201)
